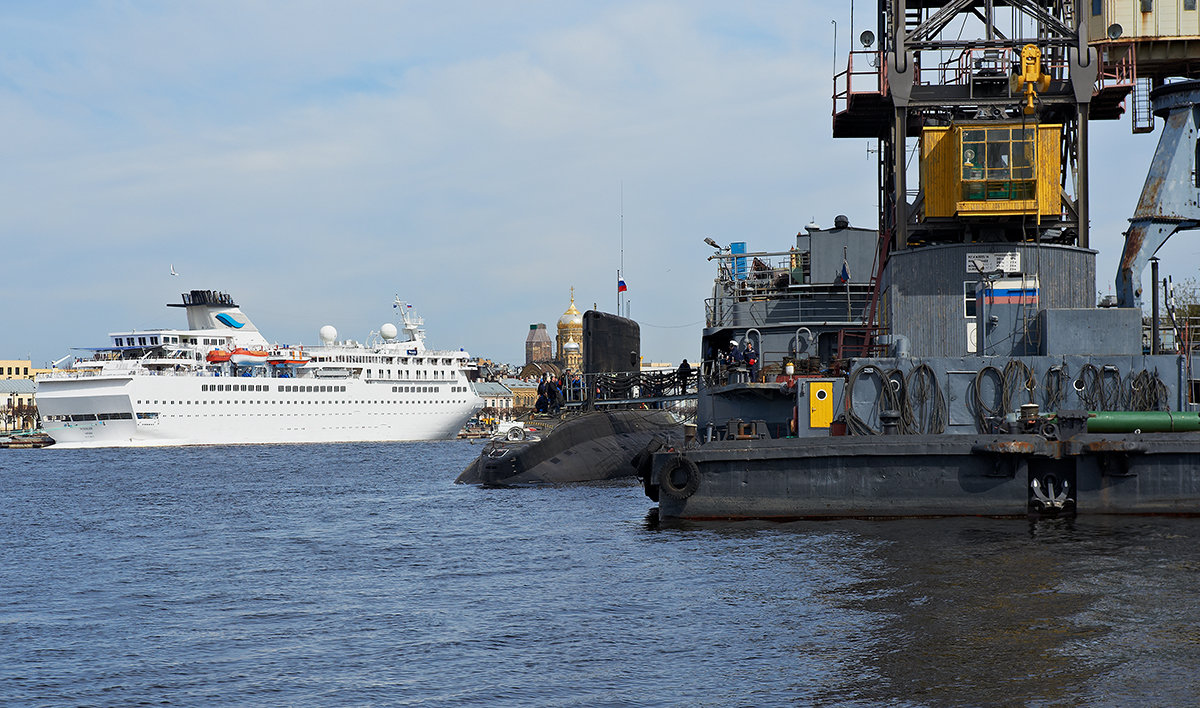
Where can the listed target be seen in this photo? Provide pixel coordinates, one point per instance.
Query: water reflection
(984, 611)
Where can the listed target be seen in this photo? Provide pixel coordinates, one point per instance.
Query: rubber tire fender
(691, 483)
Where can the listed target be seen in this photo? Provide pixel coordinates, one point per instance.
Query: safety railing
(865, 73)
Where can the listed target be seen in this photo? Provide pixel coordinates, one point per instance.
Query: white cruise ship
(220, 382)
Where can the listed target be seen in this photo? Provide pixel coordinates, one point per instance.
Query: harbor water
(359, 575)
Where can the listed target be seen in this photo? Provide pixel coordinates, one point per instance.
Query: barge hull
(925, 476)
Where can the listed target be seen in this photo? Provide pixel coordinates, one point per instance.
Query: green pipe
(1145, 421)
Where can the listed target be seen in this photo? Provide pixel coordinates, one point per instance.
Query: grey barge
(953, 360)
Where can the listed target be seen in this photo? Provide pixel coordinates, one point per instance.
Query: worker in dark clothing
(750, 357)
(683, 374)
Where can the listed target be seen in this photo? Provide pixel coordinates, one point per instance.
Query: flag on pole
(844, 276)
(621, 287)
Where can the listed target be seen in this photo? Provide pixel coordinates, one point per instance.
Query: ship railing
(864, 73)
(828, 304)
(860, 342)
(140, 371)
(1120, 73)
(632, 389)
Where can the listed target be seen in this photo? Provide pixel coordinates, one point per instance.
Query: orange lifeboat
(290, 357)
(218, 356)
(248, 357)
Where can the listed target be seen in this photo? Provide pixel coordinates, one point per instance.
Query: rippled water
(359, 575)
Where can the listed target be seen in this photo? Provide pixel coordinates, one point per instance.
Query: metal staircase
(1143, 118)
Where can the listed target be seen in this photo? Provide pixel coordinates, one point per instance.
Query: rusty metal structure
(1168, 203)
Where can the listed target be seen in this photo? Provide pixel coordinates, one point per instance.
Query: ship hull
(143, 411)
(916, 476)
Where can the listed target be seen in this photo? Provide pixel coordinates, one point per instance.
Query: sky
(477, 159)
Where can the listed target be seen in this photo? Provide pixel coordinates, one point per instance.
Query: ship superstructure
(219, 381)
(967, 370)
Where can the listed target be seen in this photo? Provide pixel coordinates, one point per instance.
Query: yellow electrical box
(820, 404)
(992, 169)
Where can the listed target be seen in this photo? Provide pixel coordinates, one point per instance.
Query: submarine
(599, 438)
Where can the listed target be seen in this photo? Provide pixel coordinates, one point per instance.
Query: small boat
(289, 357)
(217, 356)
(248, 357)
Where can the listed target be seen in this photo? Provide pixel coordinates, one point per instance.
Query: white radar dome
(388, 331)
(328, 334)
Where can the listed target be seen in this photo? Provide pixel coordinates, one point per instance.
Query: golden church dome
(571, 319)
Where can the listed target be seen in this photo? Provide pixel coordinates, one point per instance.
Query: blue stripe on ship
(229, 321)
(1010, 296)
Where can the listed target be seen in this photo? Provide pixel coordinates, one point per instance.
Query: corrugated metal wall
(1166, 18)
(924, 286)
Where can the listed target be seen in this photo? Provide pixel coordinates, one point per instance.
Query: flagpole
(621, 262)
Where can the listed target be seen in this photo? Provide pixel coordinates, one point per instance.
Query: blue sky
(315, 158)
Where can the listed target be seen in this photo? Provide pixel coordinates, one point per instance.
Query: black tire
(679, 489)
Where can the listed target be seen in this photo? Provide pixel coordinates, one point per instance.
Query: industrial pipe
(1145, 421)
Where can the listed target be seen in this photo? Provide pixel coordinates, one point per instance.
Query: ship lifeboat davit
(217, 356)
(248, 357)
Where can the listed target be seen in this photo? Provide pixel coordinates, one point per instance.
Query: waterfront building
(524, 394)
(497, 399)
(17, 408)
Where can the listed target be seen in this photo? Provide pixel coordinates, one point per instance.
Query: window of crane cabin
(997, 164)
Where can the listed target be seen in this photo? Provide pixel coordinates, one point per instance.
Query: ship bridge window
(997, 164)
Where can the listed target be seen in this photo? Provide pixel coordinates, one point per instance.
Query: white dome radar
(328, 334)
(388, 331)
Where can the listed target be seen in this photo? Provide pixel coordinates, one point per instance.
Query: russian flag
(621, 287)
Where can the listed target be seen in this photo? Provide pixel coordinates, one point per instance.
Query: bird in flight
(173, 269)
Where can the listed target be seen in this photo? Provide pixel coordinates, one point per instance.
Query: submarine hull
(591, 447)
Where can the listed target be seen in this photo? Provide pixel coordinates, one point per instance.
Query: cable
(1088, 387)
(1112, 396)
(1054, 383)
(986, 414)
(1017, 375)
(1147, 392)
(924, 404)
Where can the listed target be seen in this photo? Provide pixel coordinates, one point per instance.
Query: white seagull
(173, 269)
